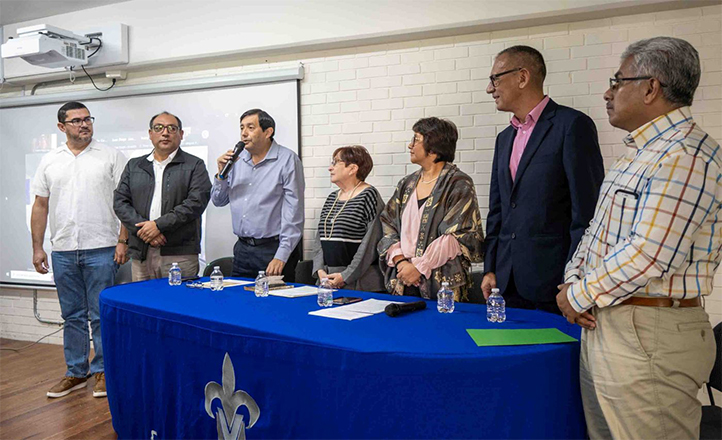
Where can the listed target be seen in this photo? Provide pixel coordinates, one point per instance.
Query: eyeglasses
(615, 82)
(78, 121)
(415, 140)
(172, 129)
(494, 79)
(335, 162)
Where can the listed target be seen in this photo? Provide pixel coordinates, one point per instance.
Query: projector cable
(100, 44)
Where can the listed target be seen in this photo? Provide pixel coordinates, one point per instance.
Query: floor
(25, 411)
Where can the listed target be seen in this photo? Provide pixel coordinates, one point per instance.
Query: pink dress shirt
(523, 133)
(440, 251)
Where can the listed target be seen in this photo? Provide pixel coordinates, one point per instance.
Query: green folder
(518, 336)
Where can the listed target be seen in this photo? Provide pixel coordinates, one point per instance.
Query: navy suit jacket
(536, 221)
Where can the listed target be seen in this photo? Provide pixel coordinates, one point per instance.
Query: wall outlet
(116, 74)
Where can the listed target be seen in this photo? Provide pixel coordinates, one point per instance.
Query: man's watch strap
(124, 241)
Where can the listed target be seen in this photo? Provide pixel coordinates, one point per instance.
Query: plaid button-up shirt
(656, 229)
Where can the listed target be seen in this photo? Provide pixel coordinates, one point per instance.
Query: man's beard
(80, 137)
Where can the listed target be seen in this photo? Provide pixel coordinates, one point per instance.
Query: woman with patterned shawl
(431, 225)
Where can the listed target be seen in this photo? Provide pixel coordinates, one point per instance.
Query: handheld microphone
(394, 310)
(227, 167)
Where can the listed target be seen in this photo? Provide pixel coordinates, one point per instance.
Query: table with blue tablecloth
(196, 363)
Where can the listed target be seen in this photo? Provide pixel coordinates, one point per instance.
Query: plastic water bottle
(445, 299)
(495, 307)
(325, 293)
(261, 288)
(217, 279)
(174, 275)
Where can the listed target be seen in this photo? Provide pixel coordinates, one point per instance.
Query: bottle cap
(495, 290)
(217, 268)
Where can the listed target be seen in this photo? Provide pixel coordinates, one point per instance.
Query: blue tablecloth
(415, 376)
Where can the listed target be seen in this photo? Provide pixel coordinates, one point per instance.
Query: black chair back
(303, 273)
(715, 377)
(225, 263)
(124, 274)
(711, 424)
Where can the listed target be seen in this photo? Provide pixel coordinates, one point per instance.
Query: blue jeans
(80, 276)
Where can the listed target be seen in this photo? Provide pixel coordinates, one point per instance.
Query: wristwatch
(125, 241)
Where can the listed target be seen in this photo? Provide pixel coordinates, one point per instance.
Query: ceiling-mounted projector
(48, 46)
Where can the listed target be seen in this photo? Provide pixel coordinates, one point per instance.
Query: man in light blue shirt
(265, 189)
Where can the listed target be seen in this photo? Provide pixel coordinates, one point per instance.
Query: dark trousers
(515, 300)
(248, 260)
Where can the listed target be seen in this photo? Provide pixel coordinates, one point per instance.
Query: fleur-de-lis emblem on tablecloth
(231, 400)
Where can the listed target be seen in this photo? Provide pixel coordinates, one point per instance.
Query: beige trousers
(641, 370)
(156, 266)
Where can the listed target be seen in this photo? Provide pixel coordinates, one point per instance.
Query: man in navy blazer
(545, 180)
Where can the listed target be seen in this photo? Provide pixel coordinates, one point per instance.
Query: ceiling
(15, 11)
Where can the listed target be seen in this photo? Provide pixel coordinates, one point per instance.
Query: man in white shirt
(73, 189)
(160, 200)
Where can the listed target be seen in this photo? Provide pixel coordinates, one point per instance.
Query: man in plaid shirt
(650, 253)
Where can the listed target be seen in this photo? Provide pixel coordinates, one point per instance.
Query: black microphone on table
(227, 167)
(394, 310)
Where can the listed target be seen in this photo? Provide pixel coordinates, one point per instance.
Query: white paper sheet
(354, 311)
(228, 283)
(338, 313)
(295, 292)
(372, 306)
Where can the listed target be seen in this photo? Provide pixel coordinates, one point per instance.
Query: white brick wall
(372, 95)
(446, 78)
(17, 320)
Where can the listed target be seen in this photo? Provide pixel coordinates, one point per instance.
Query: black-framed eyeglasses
(416, 139)
(615, 82)
(335, 162)
(494, 79)
(172, 129)
(78, 121)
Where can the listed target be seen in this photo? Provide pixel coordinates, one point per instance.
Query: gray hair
(529, 58)
(672, 61)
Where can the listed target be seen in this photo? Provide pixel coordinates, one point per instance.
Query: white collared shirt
(80, 191)
(158, 169)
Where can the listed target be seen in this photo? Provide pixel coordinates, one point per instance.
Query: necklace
(431, 180)
(333, 222)
(428, 181)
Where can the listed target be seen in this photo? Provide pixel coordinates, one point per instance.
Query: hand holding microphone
(225, 162)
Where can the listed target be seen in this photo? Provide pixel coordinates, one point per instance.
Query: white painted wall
(163, 31)
(373, 94)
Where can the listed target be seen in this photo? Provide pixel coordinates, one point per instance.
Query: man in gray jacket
(160, 200)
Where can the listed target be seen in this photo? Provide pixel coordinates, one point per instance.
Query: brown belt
(662, 302)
